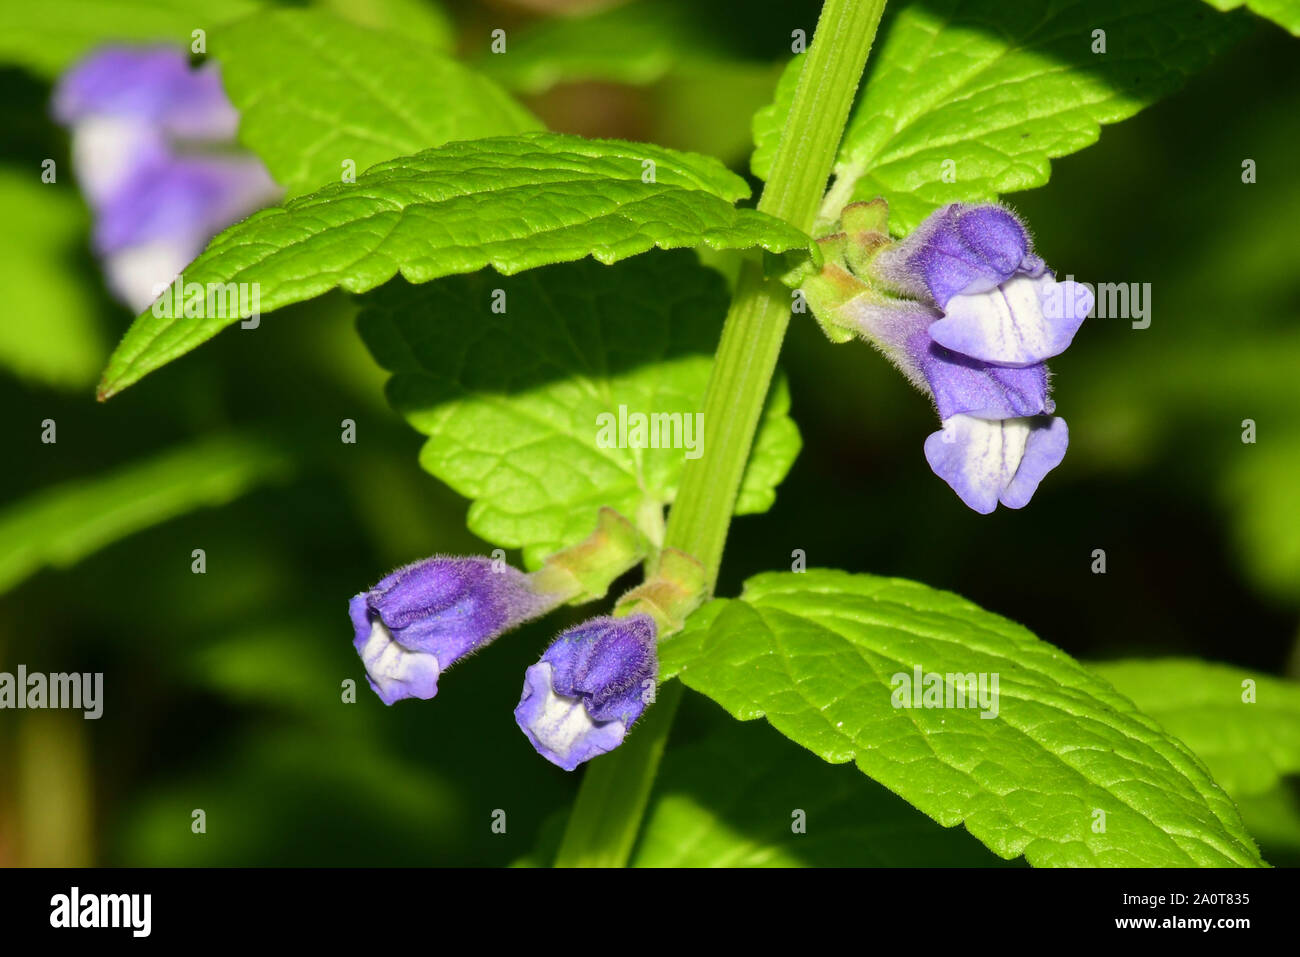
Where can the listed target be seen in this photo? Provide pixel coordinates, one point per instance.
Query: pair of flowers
(590, 685)
(967, 311)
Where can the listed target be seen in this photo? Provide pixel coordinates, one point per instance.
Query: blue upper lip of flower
(998, 302)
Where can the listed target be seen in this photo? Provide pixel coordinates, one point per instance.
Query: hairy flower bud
(589, 687)
(424, 617)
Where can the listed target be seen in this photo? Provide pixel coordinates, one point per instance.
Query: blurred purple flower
(589, 687)
(154, 152)
(424, 617)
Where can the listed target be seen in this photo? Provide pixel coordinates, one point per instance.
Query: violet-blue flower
(998, 438)
(998, 301)
(424, 617)
(588, 688)
(153, 149)
(968, 271)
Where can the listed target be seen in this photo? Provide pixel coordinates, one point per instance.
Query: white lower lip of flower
(995, 449)
(561, 724)
(398, 672)
(1009, 319)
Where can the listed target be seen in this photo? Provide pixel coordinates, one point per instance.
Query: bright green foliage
(422, 20)
(1285, 13)
(47, 36)
(817, 654)
(319, 97)
(513, 401)
(968, 99)
(635, 42)
(744, 797)
(511, 202)
(49, 334)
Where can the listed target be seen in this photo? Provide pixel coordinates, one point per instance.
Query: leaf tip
(107, 388)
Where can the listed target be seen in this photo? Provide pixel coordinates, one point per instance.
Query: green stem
(606, 817)
(607, 814)
(760, 309)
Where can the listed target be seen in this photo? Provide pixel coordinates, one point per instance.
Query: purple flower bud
(987, 461)
(152, 145)
(422, 618)
(588, 688)
(999, 302)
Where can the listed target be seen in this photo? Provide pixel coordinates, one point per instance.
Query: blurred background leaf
(1245, 726)
(52, 333)
(64, 524)
(1286, 13)
(47, 37)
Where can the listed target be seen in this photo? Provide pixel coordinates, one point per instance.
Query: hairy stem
(607, 814)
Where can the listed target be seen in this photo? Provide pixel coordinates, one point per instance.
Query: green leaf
(46, 37)
(62, 525)
(1285, 13)
(731, 800)
(511, 402)
(315, 93)
(635, 43)
(817, 652)
(1248, 746)
(422, 20)
(510, 202)
(999, 93)
(704, 78)
(770, 120)
(49, 334)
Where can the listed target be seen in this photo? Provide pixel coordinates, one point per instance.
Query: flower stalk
(607, 814)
